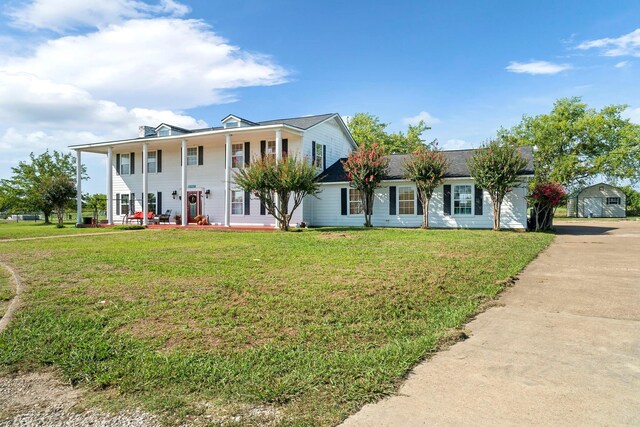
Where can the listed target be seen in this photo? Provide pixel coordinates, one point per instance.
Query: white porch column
(183, 192)
(227, 182)
(79, 186)
(110, 185)
(278, 145)
(145, 185)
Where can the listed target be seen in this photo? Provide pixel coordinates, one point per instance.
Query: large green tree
(575, 143)
(38, 185)
(367, 130)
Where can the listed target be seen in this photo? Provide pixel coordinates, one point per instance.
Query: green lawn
(16, 230)
(6, 290)
(311, 325)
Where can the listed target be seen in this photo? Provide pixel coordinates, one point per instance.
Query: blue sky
(75, 71)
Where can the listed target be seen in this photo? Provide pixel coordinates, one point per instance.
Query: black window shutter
(446, 199)
(132, 160)
(117, 203)
(247, 203)
(419, 210)
(324, 157)
(132, 202)
(285, 148)
(118, 165)
(392, 200)
(478, 201)
(159, 161)
(247, 153)
(159, 203)
(343, 201)
(263, 209)
(313, 153)
(200, 155)
(263, 148)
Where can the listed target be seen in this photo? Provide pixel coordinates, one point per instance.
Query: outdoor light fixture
(174, 194)
(207, 192)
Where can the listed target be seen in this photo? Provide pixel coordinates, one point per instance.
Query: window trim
(398, 191)
(122, 196)
(155, 157)
(266, 149)
(128, 157)
(163, 129)
(618, 201)
(195, 157)
(155, 203)
(471, 198)
(233, 191)
(349, 201)
(318, 160)
(233, 155)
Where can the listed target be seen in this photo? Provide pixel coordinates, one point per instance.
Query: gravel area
(39, 399)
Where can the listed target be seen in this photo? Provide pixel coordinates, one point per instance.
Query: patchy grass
(23, 229)
(300, 328)
(7, 291)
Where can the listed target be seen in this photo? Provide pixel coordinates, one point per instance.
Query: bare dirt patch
(41, 399)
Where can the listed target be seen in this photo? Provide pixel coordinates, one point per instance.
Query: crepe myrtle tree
(276, 182)
(545, 198)
(365, 169)
(495, 168)
(427, 167)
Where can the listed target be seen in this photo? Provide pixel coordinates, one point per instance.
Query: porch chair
(164, 217)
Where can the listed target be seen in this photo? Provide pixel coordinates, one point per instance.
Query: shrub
(545, 198)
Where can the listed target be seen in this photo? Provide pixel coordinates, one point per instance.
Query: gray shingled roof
(457, 160)
(299, 122)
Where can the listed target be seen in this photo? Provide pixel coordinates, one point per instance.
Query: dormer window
(231, 124)
(164, 131)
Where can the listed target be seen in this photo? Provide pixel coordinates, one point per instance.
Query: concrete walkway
(563, 350)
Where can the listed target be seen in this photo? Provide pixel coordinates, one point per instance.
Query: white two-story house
(191, 172)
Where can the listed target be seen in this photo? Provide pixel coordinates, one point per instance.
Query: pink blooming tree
(365, 169)
(495, 169)
(426, 167)
(545, 198)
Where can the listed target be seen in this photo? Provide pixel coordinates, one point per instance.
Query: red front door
(194, 205)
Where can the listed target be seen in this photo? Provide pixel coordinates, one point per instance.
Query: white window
(271, 148)
(237, 155)
(613, 200)
(406, 201)
(192, 156)
(124, 204)
(317, 161)
(151, 203)
(232, 124)
(164, 131)
(152, 162)
(462, 200)
(355, 202)
(237, 202)
(125, 164)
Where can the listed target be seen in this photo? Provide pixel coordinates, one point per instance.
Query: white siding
(338, 145)
(208, 176)
(595, 191)
(327, 210)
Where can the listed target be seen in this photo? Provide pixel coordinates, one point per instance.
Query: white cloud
(62, 15)
(422, 115)
(632, 114)
(455, 144)
(622, 64)
(131, 64)
(626, 45)
(537, 67)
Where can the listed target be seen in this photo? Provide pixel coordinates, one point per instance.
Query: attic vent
(232, 124)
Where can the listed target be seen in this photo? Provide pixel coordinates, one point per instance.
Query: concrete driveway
(564, 349)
